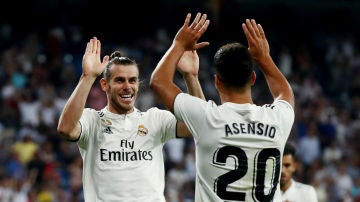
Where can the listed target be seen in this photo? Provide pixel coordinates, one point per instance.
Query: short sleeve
(89, 123)
(166, 121)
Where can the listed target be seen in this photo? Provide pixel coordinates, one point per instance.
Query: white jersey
(239, 147)
(123, 154)
(299, 192)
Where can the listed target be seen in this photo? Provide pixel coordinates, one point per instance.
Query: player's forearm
(278, 84)
(71, 114)
(161, 80)
(193, 85)
(167, 65)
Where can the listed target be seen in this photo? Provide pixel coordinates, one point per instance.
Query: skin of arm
(260, 51)
(161, 80)
(188, 66)
(69, 126)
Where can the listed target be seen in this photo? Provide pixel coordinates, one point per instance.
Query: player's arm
(260, 51)
(69, 125)
(188, 66)
(182, 130)
(161, 80)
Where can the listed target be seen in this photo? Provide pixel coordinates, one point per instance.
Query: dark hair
(289, 150)
(233, 64)
(117, 59)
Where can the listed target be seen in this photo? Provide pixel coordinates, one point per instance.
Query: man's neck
(119, 111)
(286, 186)
(236, 98)
(243, 97)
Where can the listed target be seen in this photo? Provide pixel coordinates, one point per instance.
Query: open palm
(189, 63)
(91, 62)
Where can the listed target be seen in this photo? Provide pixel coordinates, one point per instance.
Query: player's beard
(284, 179)
(120, 105)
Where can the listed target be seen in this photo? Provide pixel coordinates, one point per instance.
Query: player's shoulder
(280, 108)
(303, 186)
(284, 104)
(93, 112)
(278, 104)
(185, 97)
(155, 110)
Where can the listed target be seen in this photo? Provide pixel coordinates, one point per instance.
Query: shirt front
(299, 192)
(238, 147)
(122, 154)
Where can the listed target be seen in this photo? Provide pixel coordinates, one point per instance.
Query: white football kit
(299, 192)
(123, 154)
(239, 147)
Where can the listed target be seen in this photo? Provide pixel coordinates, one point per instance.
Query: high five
(239, 144)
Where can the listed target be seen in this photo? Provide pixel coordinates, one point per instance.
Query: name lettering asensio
(250, 129)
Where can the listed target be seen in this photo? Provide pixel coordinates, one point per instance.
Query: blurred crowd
(39, 70)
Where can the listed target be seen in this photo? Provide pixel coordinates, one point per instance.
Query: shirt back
(238, 147)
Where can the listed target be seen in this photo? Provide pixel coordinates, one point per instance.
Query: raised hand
(91, 63)
(260, 51)
(189, 34)
(258, 44)
(189, 63)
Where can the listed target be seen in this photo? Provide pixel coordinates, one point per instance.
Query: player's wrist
(189, 75)
(88, 77)
(264, 61)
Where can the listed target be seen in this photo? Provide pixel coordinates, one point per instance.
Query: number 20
(240, 170)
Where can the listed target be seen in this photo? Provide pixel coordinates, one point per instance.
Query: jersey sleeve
(190, 110)
(286, 115)
(167, 122)
(89, 122)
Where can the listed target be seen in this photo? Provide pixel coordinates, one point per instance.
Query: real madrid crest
(142, 131)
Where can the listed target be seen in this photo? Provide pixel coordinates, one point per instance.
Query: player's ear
(217, 81)
(103, 84)
(253, 78)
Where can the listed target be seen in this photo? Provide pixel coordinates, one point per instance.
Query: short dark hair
(289, 149)
(233, 64)
(117, 58)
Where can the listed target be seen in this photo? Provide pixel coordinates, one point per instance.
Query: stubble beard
(120, 107)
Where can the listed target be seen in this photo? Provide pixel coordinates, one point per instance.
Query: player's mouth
(127, 97)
